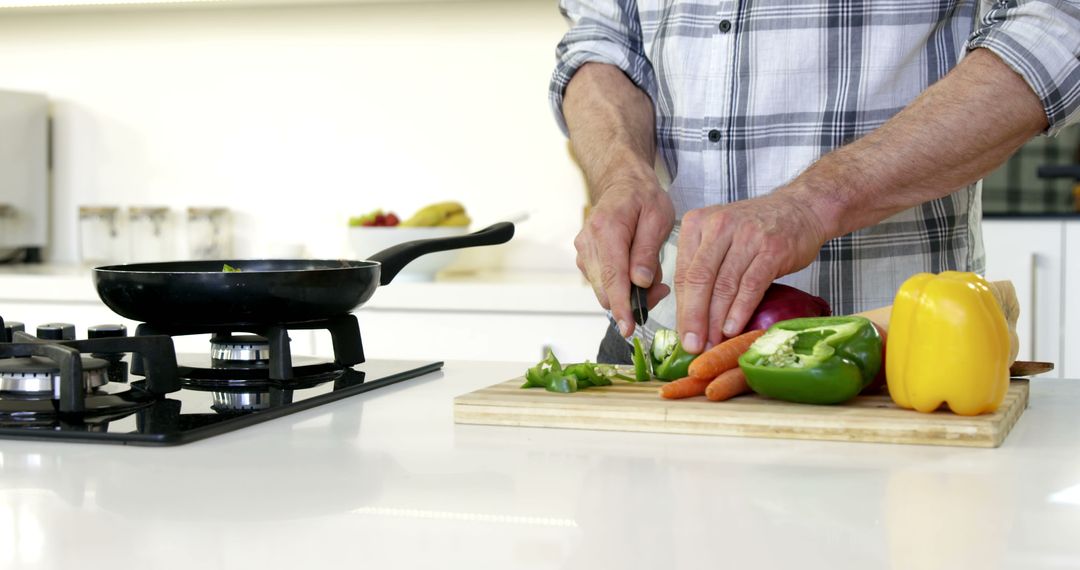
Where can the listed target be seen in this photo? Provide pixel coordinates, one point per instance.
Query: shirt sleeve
(1040, 40)
(603, 31)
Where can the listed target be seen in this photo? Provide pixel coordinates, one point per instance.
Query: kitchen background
(297, 116)
(1017, 189)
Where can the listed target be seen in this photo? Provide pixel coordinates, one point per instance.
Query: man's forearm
(957, 131)
(612, 126)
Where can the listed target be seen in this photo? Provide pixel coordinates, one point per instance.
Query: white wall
(298, 117)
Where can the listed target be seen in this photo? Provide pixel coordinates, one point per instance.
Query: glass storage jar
(151, 231)
(102, 237)
(209, 233)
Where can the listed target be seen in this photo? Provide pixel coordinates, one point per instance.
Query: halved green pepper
(816, 360)
(669, 360)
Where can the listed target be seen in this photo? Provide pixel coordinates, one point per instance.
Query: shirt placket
(716, 135)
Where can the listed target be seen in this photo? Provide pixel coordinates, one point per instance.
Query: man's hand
(621, 243)
(612, 130)
(728, 256)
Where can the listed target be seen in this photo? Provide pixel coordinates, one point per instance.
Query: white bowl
(369, 240)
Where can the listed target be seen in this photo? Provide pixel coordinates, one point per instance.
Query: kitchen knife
(638, 304)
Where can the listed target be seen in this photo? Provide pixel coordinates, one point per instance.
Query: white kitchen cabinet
(1031, 254)
(472, 335)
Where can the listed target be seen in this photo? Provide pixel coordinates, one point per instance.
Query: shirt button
(725, 26)
(714, 136)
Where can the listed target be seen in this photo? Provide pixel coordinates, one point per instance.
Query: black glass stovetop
(190, 415)
(165, 399)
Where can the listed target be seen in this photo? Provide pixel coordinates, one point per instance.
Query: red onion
(781, 303)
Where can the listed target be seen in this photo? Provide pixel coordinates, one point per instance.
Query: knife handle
(638, 304)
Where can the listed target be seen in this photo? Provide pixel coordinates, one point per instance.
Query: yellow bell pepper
(948, 343)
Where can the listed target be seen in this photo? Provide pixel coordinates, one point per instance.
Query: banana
(459, 219)
(434, 214)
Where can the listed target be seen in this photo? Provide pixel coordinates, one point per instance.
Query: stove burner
(307, 371)
(225, 402)
(35, 375)
(52, 377)
(241, 348)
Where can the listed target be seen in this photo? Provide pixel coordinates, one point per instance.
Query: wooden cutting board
(638, 407)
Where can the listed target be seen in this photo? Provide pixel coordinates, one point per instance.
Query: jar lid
(148, 211)
(102, 211)
(196, 211)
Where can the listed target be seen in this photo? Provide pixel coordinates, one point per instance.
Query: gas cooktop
(111, 387)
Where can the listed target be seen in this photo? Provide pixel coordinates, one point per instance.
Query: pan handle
(394, 259)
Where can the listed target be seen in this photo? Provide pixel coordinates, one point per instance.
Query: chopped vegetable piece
(552, 376)
(226, 268)
(641, 364)
(669, 360)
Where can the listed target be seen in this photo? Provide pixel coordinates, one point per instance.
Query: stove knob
(12, 327)
(56, 331)
(106, 331)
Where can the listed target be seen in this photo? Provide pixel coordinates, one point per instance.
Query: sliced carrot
(684, 388)
(727, 385)
(722, 357)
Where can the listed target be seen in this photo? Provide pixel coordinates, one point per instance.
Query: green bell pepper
(815, 360)
(669, 360)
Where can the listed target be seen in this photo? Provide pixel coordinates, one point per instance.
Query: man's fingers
(689, 240)
(610, 248)
(694, 286)
(755, 281)
(653, 228)
(724, 291)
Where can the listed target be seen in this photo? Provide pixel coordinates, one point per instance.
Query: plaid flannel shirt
(749, 93)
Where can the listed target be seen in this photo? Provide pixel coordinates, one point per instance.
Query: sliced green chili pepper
(550, 375)
(641, 364)
(611, 371)
(586, 375)
(537, 376)
(669, 360)
(816, 360)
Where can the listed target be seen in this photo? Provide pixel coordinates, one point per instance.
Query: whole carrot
(722, 357)
(727, 385)
(684, 388)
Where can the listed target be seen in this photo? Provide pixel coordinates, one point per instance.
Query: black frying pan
(265, 291)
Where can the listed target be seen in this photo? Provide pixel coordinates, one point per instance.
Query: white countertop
(387, 480)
